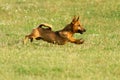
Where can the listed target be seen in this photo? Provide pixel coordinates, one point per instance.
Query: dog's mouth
(81, 31)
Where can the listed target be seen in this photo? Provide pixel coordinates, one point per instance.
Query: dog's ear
(73, 20)
(78, 18)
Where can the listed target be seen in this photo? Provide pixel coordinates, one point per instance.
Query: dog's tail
(45, 25)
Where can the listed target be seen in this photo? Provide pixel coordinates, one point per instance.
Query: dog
(59, 37)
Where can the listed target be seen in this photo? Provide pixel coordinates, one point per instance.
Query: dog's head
(76, 26)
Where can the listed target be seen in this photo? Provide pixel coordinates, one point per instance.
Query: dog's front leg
(79, 41)
(76, 41)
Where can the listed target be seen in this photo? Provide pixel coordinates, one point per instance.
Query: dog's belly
(52, 37)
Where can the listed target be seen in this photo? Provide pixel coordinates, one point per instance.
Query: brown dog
(57, 37)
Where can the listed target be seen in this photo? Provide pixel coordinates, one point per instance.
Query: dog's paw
(80, 41)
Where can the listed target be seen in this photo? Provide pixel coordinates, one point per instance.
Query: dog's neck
(68, 28)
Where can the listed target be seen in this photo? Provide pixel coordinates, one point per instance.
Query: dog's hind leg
(31, 40)
(38, 38)
(26, 39)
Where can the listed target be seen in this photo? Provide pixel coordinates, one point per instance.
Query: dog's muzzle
(81, 31)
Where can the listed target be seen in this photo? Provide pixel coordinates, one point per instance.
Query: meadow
(97, 59)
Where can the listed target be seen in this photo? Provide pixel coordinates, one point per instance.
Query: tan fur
(57, 37)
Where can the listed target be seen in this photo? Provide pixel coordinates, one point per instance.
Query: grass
(97, 59)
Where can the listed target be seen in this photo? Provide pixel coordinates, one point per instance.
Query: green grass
(97, 59)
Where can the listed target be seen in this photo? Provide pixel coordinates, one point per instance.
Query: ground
(97, 59)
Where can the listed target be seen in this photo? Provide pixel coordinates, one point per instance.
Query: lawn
(97, 59)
